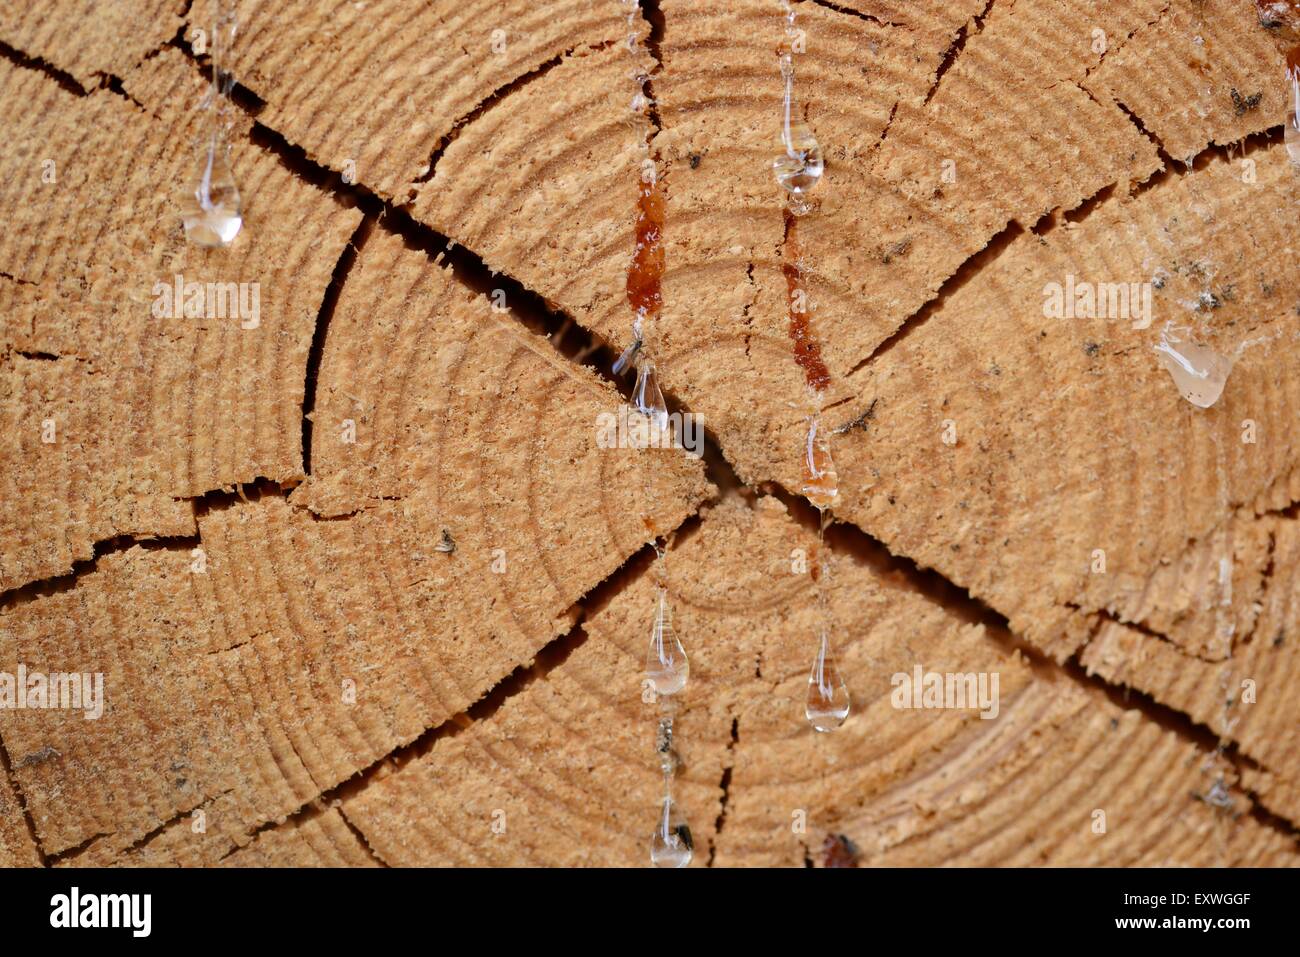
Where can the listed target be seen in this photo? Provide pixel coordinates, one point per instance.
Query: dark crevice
(361, 838)
(725, 786)
(73, 853)
(653, 14)
(1132, 33)
(114, 84)
(1214, 152)
(1148, 631)
(902, 571)
(553, 654)
(6, 768)
(309, 811)
(1165, 158)
(857, 14)
(240, 95)
(45, 587)
(18, 279)
(1170, 719)
(1202, 737)
(531, 309)
(889, 123)
(245, 492)
(964, 274)
(371, 501)
(492, 99)
(64, 79)
(1260, 813)
(329, 302)
(537, 314)
(896, 570)
(1054, 219)
(967, 30)
(70, 854)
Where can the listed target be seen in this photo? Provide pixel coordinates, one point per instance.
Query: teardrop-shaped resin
(671, 844)
(799, 166)
(1292, 137)
(828, 698)
(211, 212)
(1198, 371)
(820, 481)
(648, 399)
(665, 664)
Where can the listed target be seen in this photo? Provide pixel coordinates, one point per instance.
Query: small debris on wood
(1242, 105)
(37, 757)
(860, 422)
(839, 851)
(894, 250)
(447, 544)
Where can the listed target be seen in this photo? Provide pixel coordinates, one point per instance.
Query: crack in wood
(964, 34)
(6, 768)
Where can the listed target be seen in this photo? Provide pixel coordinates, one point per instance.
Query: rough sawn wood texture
(367, 587)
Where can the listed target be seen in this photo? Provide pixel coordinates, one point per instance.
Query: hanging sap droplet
(828, 698)
(1198, 371)
(647, 397)
(820, 481)
(665, 663)
(669, 761)
(799, 167)
(671, 844)
(1293, 105)
(625, 358)
(211, 211)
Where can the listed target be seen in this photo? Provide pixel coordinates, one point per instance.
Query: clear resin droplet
(211, 212)
(671, 844)
(647, 397)
(820, 482)
(800, 166)
(1293, 106)
(828, 698)
(665, 663)
(1198, 371)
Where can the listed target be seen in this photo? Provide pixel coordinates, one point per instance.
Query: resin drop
(668, 759)
(828, 699)
(648, 398)
(1198, 371)
(799, 168)
(820, 482)
(665, 664)
(211, 211)
(1293, 105)
(646, 272)
(671, 844)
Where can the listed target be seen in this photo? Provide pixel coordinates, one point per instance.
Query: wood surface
(364, 585)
